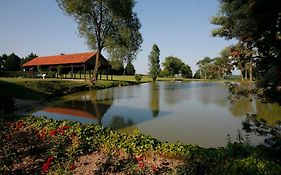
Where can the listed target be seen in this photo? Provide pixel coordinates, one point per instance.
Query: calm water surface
(189, 112)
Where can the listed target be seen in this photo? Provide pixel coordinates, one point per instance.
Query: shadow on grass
(19, 91)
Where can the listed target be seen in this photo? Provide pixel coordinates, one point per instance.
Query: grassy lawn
(39, 89)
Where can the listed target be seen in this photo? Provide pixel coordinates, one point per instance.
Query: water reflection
(240, 107)
(83, 107)
(175, 92)
(118, 122)
(190, 112)
(154, 98)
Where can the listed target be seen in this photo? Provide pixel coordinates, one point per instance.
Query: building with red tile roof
(70, 62)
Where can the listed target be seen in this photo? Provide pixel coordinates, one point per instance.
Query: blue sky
(180, 28)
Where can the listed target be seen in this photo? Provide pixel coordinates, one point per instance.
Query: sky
(180, 28)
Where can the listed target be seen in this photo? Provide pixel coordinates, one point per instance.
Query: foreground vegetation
(31, 145)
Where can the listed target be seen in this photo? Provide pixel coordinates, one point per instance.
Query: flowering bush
(33, 145)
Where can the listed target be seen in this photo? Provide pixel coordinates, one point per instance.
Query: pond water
(188, 112)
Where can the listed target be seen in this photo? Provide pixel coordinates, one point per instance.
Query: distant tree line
(172, 66)
(13, 62)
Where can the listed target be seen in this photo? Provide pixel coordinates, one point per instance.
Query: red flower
(20, 124)
(7, 137)
(154, 168)
(141, 165)
(61, 131)
(53, 132)
(65, 127)
(72, 167)
(139, 158)
(47, 165)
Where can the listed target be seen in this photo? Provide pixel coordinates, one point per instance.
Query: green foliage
(106, 24)
(186, 71)
(138, 77)
(172, 65)
(130, 69)
(59, 70)
(28, 58)
(117, 67)
(11, 62)
(256, 25)
(16, 74)
(164, 73)
(60, 143)
(154, 62)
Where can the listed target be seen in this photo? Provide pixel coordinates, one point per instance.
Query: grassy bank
(31, 145)
(39, 89)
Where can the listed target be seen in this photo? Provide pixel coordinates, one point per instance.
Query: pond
(189, 112)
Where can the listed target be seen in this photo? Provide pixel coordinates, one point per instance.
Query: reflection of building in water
(86, 106)
(154, 98)
(69, 111)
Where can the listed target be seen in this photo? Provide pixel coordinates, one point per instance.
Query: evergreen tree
(154, 62)
(12, 63)
(130, 69)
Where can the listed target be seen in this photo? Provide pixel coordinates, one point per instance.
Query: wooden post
(80, 73)
(100, 75)
(71, 71)
(84, 72)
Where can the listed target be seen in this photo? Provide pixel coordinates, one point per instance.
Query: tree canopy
(256, 24)
(106, 24)
(173, 65)
(10, 62)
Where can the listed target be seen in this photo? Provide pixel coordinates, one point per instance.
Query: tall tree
(204, 66)
(106, 24)
(154, 62)
(130, 69)
(244, 59)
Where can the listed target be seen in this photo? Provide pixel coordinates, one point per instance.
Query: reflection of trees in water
(118, 122)
(154, 98)
(270, 112)
(175, 92)
(240, 107)
(211, 93)
(271, 132)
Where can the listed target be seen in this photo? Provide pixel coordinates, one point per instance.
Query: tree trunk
(205, 76)
(242, 77)
(251, 71)
(246, 74)
(96, 68)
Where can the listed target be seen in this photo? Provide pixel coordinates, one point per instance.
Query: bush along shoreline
(37, 145)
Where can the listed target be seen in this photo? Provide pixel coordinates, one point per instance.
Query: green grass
(39, 89)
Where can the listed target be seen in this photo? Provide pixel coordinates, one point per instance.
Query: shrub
(16, 74)
(138, 77)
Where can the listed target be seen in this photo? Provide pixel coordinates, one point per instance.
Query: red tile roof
(60, 59)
